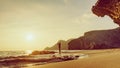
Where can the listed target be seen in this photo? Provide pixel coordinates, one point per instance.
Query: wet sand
(96, 59)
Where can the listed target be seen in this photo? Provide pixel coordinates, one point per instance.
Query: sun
(30, 37)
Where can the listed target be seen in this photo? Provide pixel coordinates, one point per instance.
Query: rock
(42, 52)
(110, 8)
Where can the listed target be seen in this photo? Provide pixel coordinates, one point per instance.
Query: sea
(19, 59)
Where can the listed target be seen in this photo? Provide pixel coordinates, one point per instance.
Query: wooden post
(59, 46)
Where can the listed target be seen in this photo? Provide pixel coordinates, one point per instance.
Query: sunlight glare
(28, 52)
(30, 37)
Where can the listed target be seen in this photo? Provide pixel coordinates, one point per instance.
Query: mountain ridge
(96, 39)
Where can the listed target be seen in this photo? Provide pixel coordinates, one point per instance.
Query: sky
(36, 24)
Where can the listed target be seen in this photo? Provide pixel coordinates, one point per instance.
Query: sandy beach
(96, 59)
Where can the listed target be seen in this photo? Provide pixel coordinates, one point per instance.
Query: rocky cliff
(100, 39)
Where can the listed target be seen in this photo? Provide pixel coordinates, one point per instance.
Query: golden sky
(35, 24)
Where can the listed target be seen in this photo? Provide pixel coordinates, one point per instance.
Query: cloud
(85, 18)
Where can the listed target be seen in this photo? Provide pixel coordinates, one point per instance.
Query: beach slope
(102, 60)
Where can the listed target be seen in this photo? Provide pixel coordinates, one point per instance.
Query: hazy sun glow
(30, 37)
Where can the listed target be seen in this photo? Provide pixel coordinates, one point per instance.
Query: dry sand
(105, 59)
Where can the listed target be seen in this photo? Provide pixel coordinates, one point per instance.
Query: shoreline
(97, 59)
